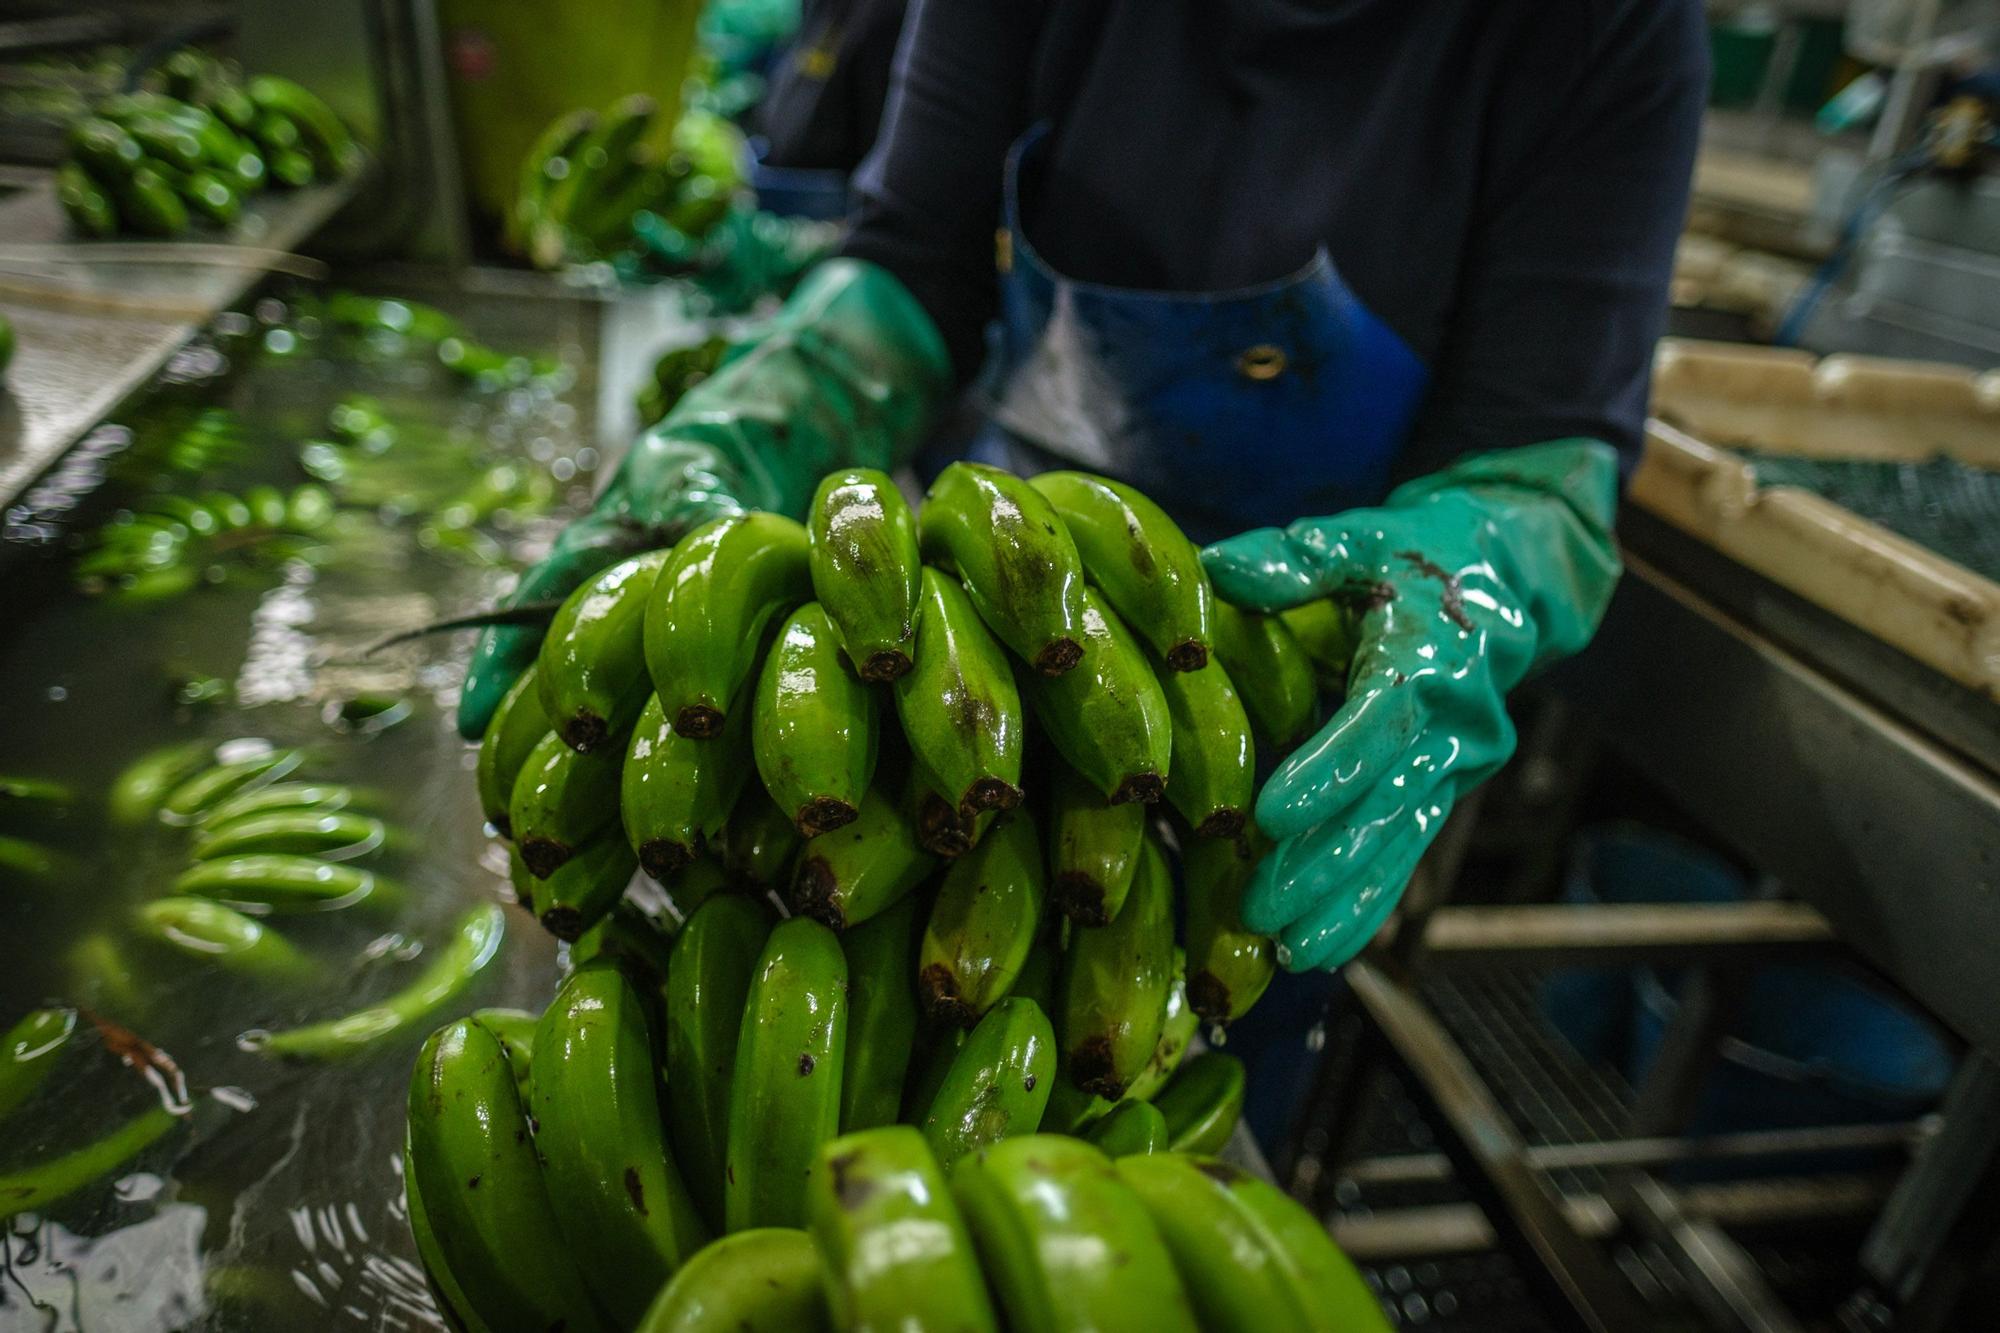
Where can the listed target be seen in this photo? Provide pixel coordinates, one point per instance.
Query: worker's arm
(930, 191)
(1563, 293)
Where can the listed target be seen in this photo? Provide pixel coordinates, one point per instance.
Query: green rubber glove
(743, 257)
(1465, 582)
(847, 374)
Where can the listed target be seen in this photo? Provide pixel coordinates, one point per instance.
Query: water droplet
(1284, 955)
(1217, 1036)
(236, 1099)
(1316, 1037)
(57, 694)
(138, 1187)
(252, 1040)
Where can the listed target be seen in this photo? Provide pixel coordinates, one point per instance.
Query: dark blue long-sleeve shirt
(1502, 181)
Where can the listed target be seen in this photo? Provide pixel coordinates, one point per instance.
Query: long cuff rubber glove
(848, 373)
(1465, 582)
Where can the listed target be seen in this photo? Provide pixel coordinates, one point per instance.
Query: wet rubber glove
(744, 257)
(1464, 581)
(847, 374)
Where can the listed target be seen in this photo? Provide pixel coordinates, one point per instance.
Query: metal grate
(1940, 503)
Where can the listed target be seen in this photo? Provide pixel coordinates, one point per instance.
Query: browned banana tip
(1208, 997)
(938, 989)
(662, 858)
(1093, 1069)
(1080, 898)
(989, 794)
(585, 732)
(824, 814)
(1187, 655)
(1146, 788)
(698, 722)
(544, 856)
(1222, 824)
(812, 894)
(1058, 656)
(885, 666)
(565, 923)
(940, 830)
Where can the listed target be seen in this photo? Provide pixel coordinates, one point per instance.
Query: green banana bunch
(172, 542)
(584, 178)
(154, 163)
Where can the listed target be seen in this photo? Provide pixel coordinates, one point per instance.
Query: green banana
(33, 1188)
(705, 621)
(594, 1102)
(1116, 981)
(1065, 1243)
(562, 799)
(331, 835)
(1202, 1102)
(759, 842)
(983, 924)
(22, 859)
(998, 1084)
(1214, 777)
(1271, 671)
(1110, 719)
(514, 1029)
(1328, 632)
(1017, 561)
(319, 797)
(474, 942)
(766, 1280)
(321, 133)
(675, 793)
(205, 194)
(784, 1096)
(813, 726)
(585, 888)
(1233, 1268)
(605, 148)
(1140, 559)
(28, 1053)
(846, 876)
(288, 166)
(708, 980)
(547, 163)
(149, 204)
(191, 799)
(447, 1292)
(695, 883)
(164, 140)
(473, 1162)
(87, 207)
(1320, 1279)
(874, 1194)
(1071, 1110)
(881, 1015)
(105, 150)
(943, 828)
(1132, 1128)
(591, 671)
(1229, 965)
(866, 569)
(1178, 1024)
(201, 928)
(959, 706)
(517, 727)
(280, 882)
(1094, 849)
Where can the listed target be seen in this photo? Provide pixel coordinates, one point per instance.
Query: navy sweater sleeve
(1563, 290)
(929, 194)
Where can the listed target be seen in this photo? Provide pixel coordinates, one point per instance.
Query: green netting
(1940, 503)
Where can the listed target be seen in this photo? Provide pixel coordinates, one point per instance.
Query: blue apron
(1234, 410)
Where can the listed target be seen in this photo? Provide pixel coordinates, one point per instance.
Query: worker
(820, 113)
(1372, 284)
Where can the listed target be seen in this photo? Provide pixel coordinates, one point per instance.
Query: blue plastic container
(1809, 1045)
